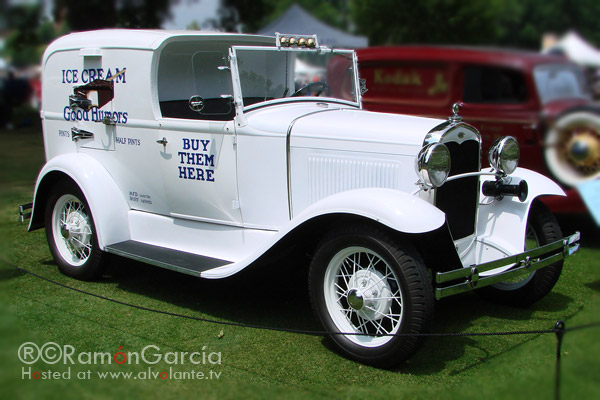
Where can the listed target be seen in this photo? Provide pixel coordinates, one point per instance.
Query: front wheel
(71, 233)
(542, 228)
(364, 283)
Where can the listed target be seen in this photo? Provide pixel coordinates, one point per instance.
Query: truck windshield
(267, 74)
(555, 82)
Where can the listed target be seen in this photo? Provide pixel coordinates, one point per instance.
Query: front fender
(397, 210)
(502, 223)
(108, 207)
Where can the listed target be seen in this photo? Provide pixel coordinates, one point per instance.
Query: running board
(187, 263)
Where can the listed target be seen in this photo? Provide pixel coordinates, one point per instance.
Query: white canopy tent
(577, 49)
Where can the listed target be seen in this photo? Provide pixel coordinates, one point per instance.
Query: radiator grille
(458, 199)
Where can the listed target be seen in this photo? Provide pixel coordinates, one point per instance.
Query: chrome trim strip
(288, 144)
(468, 174)
(523, 263)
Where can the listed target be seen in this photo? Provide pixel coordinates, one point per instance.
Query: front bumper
(469, 278)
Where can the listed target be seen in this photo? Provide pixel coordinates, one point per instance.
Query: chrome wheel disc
(72, 230)
(363, 295)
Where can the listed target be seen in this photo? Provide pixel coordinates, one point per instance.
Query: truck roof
(91, 41)
(468, 54)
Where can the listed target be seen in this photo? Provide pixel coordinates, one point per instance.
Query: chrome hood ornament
(455, 110)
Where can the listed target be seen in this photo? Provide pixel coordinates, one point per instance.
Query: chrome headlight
(433, 164)
(504, 155)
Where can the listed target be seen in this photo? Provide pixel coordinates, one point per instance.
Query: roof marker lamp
(504, 155)
(433, 164)
(295, 40)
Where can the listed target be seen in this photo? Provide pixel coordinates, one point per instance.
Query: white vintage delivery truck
(203, 152)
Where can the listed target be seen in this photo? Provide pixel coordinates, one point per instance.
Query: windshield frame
(237, 87)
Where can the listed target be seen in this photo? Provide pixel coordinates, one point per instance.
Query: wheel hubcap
(355, 299)
(584, 149)
(375, 297)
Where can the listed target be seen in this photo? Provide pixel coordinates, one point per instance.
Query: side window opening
(185, 71)
(493, 85)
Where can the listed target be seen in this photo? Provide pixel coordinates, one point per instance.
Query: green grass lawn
(261, 363)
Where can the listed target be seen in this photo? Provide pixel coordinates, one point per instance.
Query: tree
(251, 15)
(27, 34)
(242, 15)
(516, 23)
(97, 14)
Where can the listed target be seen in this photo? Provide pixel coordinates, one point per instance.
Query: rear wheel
(364, 283)
(71, 233)
(542, 228)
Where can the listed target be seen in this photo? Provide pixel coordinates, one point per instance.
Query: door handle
(77, 134)
(163, 141)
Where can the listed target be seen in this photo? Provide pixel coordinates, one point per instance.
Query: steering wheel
(324, 88)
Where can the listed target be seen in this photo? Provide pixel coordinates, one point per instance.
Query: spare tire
(572, 147)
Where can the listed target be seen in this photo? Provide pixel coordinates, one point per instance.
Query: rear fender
(104, 198)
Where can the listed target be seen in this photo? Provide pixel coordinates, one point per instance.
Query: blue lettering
(120, 78)
(210, 175)
(190, 171)
(186, 144)
(205, 144)
(182, 173)
(69, 76)
(199, 174)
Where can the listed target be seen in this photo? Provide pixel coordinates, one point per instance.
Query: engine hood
(329, 126)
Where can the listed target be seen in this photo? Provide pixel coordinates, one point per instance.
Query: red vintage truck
(542, 100)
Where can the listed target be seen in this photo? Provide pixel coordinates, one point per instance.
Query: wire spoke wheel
(71, 234)
(364, 296)
(370, 289)
(72, 230)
